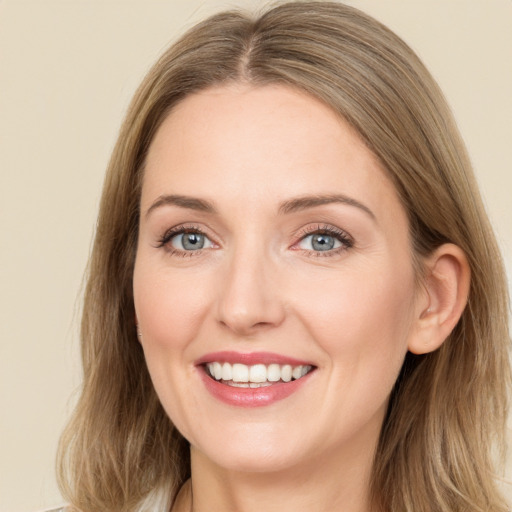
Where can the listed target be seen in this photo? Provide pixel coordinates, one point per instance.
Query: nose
(249, 298)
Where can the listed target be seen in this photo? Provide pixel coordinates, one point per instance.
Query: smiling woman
(294, 296)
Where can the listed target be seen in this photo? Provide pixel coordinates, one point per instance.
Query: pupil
(322, 242)
(193, 241)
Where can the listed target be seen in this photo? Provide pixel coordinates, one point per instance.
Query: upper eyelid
(186, 227)
(324, 228)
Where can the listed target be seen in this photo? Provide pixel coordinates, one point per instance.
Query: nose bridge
(249, 298)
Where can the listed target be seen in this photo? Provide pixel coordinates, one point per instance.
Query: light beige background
(67, 71)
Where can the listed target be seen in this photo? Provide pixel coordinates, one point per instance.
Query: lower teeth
(247, 384)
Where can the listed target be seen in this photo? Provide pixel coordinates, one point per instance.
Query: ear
(447, 280)
(137, 328)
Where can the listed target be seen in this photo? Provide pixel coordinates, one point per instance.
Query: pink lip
(250, 397)
(250, 358)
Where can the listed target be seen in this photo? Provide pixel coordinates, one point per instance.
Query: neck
(340, 482)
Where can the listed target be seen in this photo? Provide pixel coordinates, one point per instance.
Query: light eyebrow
(188, 202)
(305, 202)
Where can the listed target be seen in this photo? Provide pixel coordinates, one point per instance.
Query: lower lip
(251, 397)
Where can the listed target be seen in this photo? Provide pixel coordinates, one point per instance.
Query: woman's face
(272, 246)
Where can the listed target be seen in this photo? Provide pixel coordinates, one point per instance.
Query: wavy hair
(447, 413)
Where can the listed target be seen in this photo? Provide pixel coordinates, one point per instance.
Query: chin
(266, 456)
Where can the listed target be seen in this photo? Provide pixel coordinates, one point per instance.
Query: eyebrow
(290, 206)
(305, 202)
(191, 203)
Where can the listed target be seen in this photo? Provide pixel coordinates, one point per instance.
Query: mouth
(254, 379)
(255, 376)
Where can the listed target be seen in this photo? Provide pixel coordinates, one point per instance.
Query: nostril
(246, 327)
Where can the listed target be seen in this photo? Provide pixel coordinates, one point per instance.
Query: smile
(255, 376)
(253, 379)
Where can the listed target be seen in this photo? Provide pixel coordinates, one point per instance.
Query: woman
(294, 299)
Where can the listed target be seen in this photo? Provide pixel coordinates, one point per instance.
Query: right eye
(189, 241)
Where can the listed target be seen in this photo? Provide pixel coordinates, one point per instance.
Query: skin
(259, 285)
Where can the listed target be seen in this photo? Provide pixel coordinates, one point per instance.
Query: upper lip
(250, 358)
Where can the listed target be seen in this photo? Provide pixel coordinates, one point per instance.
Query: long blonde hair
(448, 409)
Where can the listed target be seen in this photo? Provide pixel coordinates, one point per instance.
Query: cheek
(362, 322)
(169, 306)
(363, 314)
(169, 312)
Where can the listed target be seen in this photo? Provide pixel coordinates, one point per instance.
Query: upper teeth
(257, 373)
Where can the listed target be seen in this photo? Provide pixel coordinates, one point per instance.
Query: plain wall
(68, 69)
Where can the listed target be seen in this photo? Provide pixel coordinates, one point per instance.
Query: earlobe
(447, 281)
(137, 328)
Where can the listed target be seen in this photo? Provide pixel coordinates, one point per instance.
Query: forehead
(241, 112)
(260, 142)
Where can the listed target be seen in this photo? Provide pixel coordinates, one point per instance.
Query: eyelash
(347, 242)
(164, 241)
(325, 229)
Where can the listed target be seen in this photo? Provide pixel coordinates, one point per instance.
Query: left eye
(320, 242)
(190, 241)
